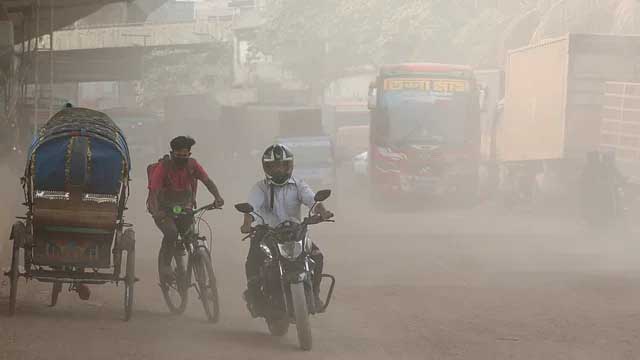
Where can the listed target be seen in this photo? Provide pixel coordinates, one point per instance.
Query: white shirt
(287, 200)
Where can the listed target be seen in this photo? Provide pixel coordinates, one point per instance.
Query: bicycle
(175, 285)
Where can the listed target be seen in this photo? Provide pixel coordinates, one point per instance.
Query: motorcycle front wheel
(301, 313)
(278, 327)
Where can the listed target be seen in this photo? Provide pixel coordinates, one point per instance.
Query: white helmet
(277, 163)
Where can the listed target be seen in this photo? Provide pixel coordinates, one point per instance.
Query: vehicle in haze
(76, 185)
(619, 129)
(287, 273)
(553, 108)
(424, 132)
(360, 166)
(301, 130)
(314, 159)
(345, 100)
(144, 129)
(351, 141)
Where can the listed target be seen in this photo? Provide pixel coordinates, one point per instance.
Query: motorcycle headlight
(291, 249)
(265, 249)
(307, 243)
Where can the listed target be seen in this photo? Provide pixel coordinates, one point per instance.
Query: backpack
(151, 168)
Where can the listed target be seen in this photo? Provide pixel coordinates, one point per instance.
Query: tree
(318, 40)
(185, 71)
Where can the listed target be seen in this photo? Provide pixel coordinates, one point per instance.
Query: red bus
(424, 131)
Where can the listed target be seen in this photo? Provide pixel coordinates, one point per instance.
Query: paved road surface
(455, 284)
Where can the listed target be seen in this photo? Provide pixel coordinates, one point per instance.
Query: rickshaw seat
(75, 211)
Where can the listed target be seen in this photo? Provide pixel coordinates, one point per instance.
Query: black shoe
(167, 275)
(251, 304)
(83, 291)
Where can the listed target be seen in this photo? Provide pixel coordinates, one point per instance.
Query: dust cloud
(482, 211)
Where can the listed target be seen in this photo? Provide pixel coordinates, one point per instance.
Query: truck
(425, 132)
(143, 130)
(552, 110)
(345, 100)
(345, 115)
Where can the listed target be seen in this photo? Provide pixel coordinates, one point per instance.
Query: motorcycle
(287, 273)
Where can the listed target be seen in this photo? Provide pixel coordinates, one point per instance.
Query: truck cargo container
(553, 105)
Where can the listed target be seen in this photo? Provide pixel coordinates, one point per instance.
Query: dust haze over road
(502, 95)
(478, 283)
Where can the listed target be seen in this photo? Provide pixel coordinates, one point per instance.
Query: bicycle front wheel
(206, 284)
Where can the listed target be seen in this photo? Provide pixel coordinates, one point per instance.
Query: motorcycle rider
(174, 182)
(278, 198)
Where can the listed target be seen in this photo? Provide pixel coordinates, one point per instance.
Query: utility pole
(144, 42)
(50, 58)
(36, 84)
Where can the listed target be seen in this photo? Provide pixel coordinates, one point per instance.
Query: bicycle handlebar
(187, 211)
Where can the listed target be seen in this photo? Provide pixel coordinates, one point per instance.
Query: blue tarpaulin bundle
(79, 148)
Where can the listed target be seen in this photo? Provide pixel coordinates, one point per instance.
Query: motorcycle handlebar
(312, 220)
(316, 219)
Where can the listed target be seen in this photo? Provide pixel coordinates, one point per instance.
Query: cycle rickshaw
(76, 185)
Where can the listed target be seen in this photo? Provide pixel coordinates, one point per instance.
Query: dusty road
(455, 284)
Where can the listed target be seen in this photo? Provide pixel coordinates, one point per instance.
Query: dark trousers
(256, 257)
(170, 228)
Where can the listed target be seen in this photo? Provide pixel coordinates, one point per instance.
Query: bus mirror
(372, 99)
(483, 98)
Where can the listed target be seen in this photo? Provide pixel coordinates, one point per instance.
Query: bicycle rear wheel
(174, 285)
(206, 284)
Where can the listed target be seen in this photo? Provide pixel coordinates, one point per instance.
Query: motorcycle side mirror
(322, 195)
(244, 208)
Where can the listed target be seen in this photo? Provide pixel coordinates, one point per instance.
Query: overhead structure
(27, 63)
(21, 13)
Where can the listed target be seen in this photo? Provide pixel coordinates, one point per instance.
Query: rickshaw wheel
(13, 276)
(130, 276)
